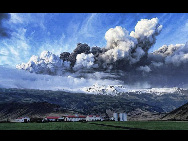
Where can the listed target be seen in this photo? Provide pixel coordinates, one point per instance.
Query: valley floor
(105, 125)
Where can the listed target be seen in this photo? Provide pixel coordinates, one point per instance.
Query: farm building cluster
(73, 118)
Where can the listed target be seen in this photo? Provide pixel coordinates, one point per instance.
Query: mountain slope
(13, 110)
(180, 113)
(76, 102)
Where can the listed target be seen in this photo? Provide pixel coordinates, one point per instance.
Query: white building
(52, 118)
(75, 118)
(94, 118)
(120, 116)
(21, 119)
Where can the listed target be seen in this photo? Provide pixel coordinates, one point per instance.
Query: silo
(123, 116)
(115, 115)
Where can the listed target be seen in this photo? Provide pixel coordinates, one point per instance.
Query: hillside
(139, 106)
(43, 101)
(180, 113)
(13, 110)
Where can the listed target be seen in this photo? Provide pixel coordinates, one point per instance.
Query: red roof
(82, 116)
(93, 115)
(71, 116)
(52, 117)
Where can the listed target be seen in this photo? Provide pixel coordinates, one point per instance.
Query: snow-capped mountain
(120, 89)
(159, 91)
(105, 89)
(166, 98)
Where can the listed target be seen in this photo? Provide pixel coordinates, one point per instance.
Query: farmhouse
(75, 118)
(94, 118)
(52, 118)
(21, 119)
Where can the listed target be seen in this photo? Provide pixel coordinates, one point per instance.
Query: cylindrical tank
(123, 116)
(115, 115)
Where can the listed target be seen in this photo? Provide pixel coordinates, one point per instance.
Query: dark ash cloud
(4, 32)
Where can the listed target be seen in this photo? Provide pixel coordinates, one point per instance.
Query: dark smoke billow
(4, 32)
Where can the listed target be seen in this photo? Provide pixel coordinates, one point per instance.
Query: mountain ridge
(120, 89)
(138, 106)
(76, 102)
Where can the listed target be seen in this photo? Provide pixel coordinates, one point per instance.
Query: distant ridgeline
(29, 102)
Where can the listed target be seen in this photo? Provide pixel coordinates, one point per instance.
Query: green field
(153, 125)
(52, 126)
(105, 125)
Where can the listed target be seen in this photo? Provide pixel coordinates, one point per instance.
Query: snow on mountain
(105, 89)
(158, 91)
(120, 89)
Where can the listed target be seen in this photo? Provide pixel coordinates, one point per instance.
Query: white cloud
(4, 52)
(15, 18)
(184, 28)
(17, 47)
(86, 28)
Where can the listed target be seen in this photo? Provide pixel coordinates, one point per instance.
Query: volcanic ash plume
(169, 56)
(123, 51)
(125, 58)
(84, 61)
(47, 63)
(130, 49)
(146, 32)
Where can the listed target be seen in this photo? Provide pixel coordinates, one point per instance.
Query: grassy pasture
(53, 126)
(149, 125)
(152, 125)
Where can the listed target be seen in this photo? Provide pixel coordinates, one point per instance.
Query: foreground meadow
(151, 125)
(105, 125)
(53, 126)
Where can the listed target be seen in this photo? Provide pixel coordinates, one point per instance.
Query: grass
(150, 125)
(53, 126)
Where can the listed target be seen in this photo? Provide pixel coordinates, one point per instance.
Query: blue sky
(33, 33)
